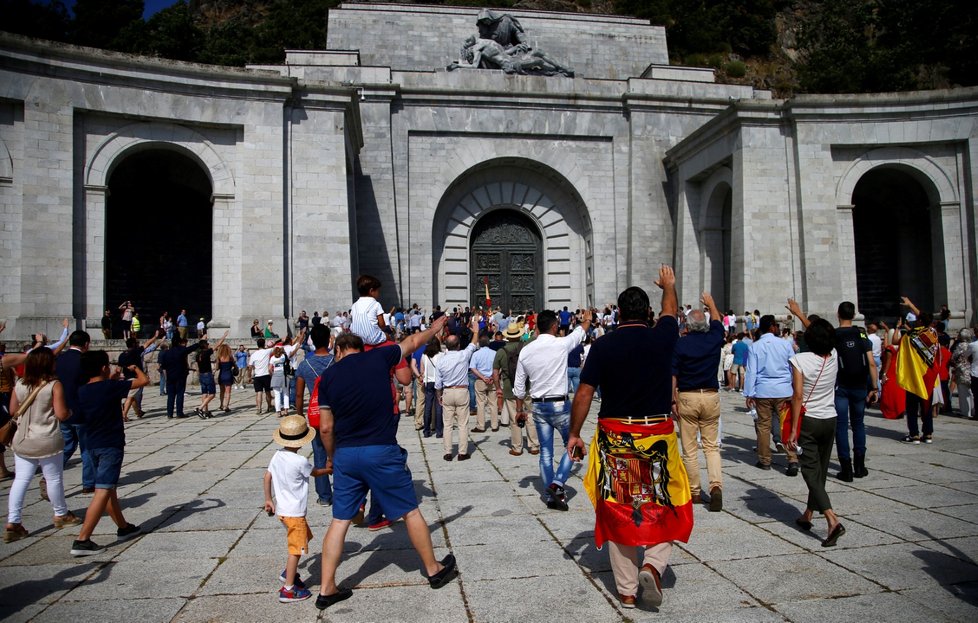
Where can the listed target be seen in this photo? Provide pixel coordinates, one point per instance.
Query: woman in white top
(813, 381)
(38, 442)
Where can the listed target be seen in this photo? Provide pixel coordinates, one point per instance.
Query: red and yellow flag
(638, 485)
(916, 371)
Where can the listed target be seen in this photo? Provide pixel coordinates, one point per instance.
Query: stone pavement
(210, 553)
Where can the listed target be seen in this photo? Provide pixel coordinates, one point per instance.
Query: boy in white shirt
(368, 316)
(288, 478)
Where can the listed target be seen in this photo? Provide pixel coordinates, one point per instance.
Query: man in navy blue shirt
(69, 373)
(174, 363)
(695, 399)
(358, 427)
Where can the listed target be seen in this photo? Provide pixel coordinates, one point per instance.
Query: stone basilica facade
(259, 192)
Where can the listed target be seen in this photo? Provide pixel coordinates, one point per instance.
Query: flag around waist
(638, 485)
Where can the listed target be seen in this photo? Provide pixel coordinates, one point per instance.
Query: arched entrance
(716, 245)
(158, 231)
(539, 198)
(506, 250)
(893, 224)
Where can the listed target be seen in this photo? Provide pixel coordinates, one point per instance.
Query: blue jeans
(573, 379)
(548, 416)
(74, 436)
(323, 489)
(162, 383)
(107, 465)
(850, 407)
(472, 406)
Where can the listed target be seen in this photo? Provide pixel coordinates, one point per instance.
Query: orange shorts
(298, 534)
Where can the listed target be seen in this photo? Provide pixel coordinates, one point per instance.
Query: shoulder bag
(784, 411)
(8, 430)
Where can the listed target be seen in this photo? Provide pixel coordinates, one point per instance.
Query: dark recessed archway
(716, 243)
(158, 226)
(892, 236)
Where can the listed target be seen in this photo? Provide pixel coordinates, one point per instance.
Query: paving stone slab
(956, 602)
(918, 525)
(170, 577)
(905, 565)
(890, 607)
(121, 610)
(540, 600)
(719, 536)
(793, 578)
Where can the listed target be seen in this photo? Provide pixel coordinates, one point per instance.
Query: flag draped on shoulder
(916, 372)
(638, 485)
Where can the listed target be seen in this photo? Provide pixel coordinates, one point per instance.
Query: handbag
(8, 430)
(784, 411)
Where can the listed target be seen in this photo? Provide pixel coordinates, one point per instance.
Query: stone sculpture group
(501, 44)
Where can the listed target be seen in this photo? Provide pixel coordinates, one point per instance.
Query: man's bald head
(451, 343)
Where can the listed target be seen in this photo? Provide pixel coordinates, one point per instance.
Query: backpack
(313, 411)
(512, 358)
(851, 351)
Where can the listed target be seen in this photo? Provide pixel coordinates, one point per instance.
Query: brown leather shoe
(627, 601)
(716, 500)
(651, 583)
(697, 498)
(464, 457)
(532, 451)
(515, 452)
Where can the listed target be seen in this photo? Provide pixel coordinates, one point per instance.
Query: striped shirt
(364, 313)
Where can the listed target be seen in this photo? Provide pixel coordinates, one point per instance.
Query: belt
(550, 399)
(456, 387)
(705, 390)
(647, 419)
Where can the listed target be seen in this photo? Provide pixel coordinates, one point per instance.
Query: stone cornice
(69, 62)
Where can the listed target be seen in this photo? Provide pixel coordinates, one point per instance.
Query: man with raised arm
(358, 428)
(635, 477)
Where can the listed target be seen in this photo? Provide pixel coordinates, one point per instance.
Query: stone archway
(101, 164)
(158, 232)
(539, 194)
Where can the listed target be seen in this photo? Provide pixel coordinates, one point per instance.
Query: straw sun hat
(293, 432)
(512, 332)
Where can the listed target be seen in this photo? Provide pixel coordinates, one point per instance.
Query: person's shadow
(16, 597)
(937, 564)
(381, 553)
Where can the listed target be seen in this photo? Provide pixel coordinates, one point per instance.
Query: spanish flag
(916, 372)
(638, 485)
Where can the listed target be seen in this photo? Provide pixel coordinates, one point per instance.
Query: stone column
(93, 269)
(846, 246)
(950, 279)
(226, 278)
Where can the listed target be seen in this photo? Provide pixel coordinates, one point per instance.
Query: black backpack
(851, 350)
(512, 358)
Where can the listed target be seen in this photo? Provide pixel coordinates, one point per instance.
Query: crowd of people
(338, 383)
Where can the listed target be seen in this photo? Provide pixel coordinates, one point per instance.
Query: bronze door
(506, 250)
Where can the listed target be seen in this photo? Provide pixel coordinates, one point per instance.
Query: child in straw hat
(288, 478)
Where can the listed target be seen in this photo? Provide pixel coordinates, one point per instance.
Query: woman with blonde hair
(225, 375)
(38, 441)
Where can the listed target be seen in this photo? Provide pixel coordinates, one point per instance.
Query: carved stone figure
(501, 44)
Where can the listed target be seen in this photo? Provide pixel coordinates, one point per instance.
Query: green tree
(98, 23)
(170, 33)
(43, 21)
